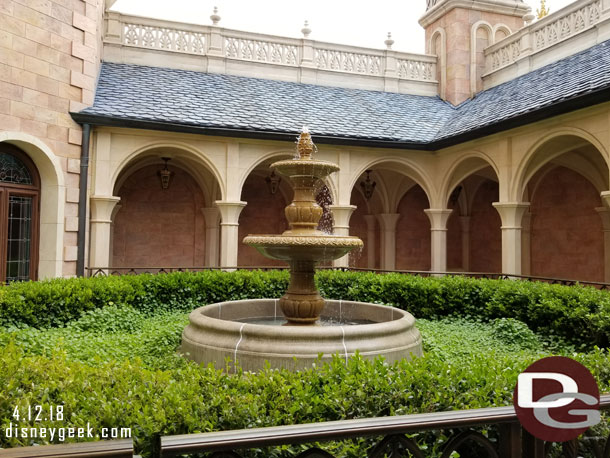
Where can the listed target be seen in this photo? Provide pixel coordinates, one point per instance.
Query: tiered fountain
(295, 330)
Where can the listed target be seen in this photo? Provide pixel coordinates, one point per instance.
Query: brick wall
(413, 232)
(566, 231)
(264, 214)
(485, 230)
(49, 61)
(158, 227)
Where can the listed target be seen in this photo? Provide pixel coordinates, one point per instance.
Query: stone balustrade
(578, 17)
(234, 47)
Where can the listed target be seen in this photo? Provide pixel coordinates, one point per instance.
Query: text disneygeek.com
(38, 413)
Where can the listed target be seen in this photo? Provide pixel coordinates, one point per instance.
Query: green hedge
(192, 399)
(581, 315)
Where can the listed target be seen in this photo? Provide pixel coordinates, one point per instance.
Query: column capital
(604, 214)
(102, 208)
(438, 218)
(511, 213)
(341, 215)
(388, 221)
(229, 211)
(605, 195)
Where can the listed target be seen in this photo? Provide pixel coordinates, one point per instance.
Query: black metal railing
(105, 271)
(512, 441)
(102, 449)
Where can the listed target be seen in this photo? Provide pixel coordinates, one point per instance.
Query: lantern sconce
(273, 182)
(368, 186)
(165, 174)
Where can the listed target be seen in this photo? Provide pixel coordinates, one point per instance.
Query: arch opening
(157, 224)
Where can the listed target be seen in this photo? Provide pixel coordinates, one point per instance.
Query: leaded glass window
(19, 198)
(19, 238)
(12, 170)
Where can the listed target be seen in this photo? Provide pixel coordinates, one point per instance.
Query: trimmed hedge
(193, 399)
(580, 315)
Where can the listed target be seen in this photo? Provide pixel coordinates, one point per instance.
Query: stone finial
(529, 18)
(215, 17)
(305, 146)
(389, 42)
(306, 30)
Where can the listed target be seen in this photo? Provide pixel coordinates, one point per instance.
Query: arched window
(19, 210)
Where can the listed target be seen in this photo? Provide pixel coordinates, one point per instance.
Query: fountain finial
(305, 145)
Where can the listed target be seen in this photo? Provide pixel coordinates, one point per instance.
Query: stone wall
(49, 60)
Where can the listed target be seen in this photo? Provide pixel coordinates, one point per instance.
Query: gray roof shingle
(219, 101)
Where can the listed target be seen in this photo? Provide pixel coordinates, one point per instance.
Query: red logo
(556, 399)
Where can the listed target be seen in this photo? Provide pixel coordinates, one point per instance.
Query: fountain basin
(222, 331)
(303, 247)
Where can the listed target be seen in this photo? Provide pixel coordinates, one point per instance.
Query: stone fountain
(300, 327)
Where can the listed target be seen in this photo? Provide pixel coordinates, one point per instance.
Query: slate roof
(218, 101)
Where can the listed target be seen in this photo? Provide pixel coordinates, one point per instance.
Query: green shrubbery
(105, 349)
(192, 399)
(579, 315)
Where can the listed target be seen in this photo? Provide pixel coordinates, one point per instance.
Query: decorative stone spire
(215, 17)
(306, 30)
(389, 42)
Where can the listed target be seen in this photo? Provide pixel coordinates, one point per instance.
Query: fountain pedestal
(302, 301)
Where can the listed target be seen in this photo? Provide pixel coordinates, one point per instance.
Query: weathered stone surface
(214, 335)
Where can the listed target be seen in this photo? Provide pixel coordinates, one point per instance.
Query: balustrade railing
(154, 34)
(576, 18)
(502, 437)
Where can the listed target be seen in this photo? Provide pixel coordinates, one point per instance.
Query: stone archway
(156, 226)
(52, 204)
(474, 239)
(564, 231)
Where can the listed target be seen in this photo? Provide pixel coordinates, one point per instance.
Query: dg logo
(556, 399)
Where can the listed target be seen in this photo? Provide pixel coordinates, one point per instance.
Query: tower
(458, 31)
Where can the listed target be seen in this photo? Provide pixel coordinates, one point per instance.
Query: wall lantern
(273, 181)
(165, 174)
(368, 186)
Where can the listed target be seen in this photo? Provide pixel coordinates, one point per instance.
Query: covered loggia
(165, 216)
(565, 226)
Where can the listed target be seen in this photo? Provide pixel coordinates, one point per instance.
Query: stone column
(387, 223)
(604, 214)
(438, 238)
(370, 243)
(229, 235)
(465, 225)
(341, 216)
(526, 243)
(511, 214)
(101, 220)
(212, 235)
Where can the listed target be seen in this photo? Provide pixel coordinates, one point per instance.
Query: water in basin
(323, 321)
